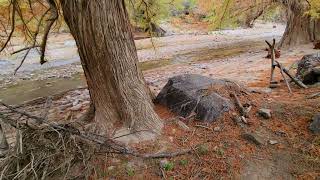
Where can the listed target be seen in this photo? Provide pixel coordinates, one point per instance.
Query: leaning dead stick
(295, 80)
(285, 79)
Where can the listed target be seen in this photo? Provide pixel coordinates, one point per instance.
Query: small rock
(66, 76)
(65, 106)
(76, 108)
(202, 66)
(85, 103)
(26, 78)
(265, 113)
(171, 139)
(273, 142)
(217, 129)
(315, 125)
(253, 138)
(76, 102)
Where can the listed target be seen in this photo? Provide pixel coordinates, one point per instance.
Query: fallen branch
(316, 95)
(243, 110)
(166, 154)
(205, 127)
(295, 80)
(285, 80)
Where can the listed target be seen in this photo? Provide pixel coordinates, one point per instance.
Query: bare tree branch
(34, 41)
(51, 20)
(13, 3)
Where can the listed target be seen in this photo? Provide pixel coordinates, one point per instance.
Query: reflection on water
(28, 90)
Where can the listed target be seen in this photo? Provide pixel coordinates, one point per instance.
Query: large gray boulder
(309, 69)
(315, 125)
(208, 98)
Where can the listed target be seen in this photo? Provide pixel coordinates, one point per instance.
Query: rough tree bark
(301, 29)
(108, 55)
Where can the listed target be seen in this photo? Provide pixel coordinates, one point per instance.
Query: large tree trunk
(300, 27)
(109, 59)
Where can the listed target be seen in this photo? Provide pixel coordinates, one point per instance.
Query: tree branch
(51, 20)
(13, 21)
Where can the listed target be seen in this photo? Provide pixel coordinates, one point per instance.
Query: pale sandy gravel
(245, 69)
(62, 49)
(167, 47)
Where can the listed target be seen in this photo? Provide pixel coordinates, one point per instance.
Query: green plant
(184, 162)
(314, 9)
(168, 166)
(129, 169)
(203, 149)
(220, 151)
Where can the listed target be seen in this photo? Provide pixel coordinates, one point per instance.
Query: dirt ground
(222, 152)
